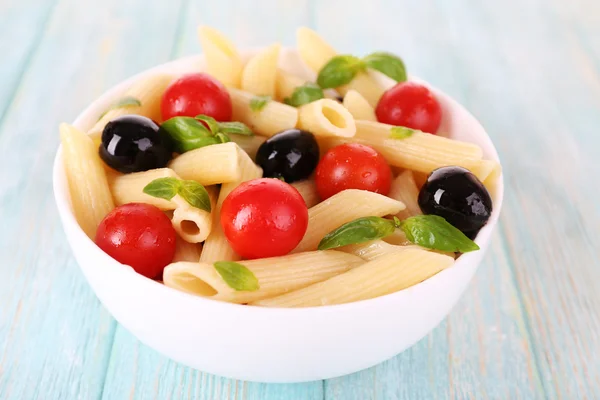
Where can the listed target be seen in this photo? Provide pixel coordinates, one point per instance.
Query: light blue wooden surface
(529, 325)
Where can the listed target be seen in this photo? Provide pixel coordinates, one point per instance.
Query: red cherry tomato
(196, 94)
(264, 218)
(412, 105)
(352, 166)
(139, 235)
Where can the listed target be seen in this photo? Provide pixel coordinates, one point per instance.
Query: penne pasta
(259, 74)
(249, 144)
(308, 191)
(222, 59)
(371, 250)
(341, 208)
(358, 106)
(398, 238)
(209, 165)
(275, 275)
(193, 224)
(285, 84)
(484, 168)
(88, 185)
(366, 85)
(129, 188)
(186, 251)
(490, 181)
(326, 117)
(273, 118)
(405, 190)
(313, 50)
(384, 275)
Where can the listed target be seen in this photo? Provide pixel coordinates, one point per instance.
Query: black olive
(457, 195)
(132, 143)
(292, 155)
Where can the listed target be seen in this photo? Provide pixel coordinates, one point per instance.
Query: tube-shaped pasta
(341, 208)
(275, 275)
(88, 185)
(209, 165)
(222, 59)
(186, 251)
(492, 178)
(148, 91)
(371, 250)
(260, 73)
(129, 188)
(484, 168)
(286, 84)
(326, 117)
(405, 190)
(308, 191)
(366, 85)
(358, 106)
(384, 275)
(249, 144)
(193, 224)
(313, 50)
(397, 238)
(273, 118)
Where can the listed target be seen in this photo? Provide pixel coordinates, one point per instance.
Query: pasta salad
(248, 184)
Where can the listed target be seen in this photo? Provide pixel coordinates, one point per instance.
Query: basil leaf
(401, 132)
(304, 94)
(259, 102)
(195, 194)
(388, 64)
(163, 188)
(212, 123)
(339, 71)
(358, 231)
(124, 102)
(434, 232)
(187, 134)
(235, 128)
(236, 276)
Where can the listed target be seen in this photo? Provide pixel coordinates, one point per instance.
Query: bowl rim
(69, 223)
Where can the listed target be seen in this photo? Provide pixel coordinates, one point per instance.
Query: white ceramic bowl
(265, 344)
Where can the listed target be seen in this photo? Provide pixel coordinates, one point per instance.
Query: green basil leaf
(339, 71)
(195, 194)
(237, 276)
(235, 128)
(304, 94)
(222, 138)
(212, 123)
(434, 232)
(187, 134)
(388, 64)
(124, 102)
(358, 231)
(163, 188)
(401, 132)
(259, 102)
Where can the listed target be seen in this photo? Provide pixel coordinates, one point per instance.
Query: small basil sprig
(401, 132)
(304, 94)
(237, 276)
(430, 231)
(124, 102)
(341, 69)
(191, 191)
(257, 103)
(187, 133)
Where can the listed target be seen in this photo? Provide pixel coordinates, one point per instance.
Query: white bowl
(266, 344)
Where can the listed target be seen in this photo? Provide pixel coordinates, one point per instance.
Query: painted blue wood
(529, 325)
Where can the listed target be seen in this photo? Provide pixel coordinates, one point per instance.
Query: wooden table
(529, 325)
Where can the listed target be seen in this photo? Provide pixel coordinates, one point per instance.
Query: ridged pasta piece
(260, 73)
(358, 106)
(308, 190)
(209, 165)
(366, 85)
(193, 224)
(384, 275)
(286, 84)
(371, 250)
(275, 275)
(88, 185)
(216, 247)
(485, 168)
(326, 117)
(129, 188)
(405, 190)
(341, 208)
(222, 58)
(273, 118)
(148, 91)
(186, 251)
(397, 238)
(490, 182)
(249, 144)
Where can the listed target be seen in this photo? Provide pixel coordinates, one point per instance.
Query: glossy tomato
(139, 235)
(196, 94)
(264, 218)
(352, 166)
(412, 105)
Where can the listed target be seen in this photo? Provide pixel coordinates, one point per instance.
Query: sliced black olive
(457, 195)
(132, 143)
(292, 155)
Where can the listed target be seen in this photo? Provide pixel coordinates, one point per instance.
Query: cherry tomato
(412, 105)
(352, 166)
(138, 235)
(196, 94)
(264, 218)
